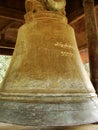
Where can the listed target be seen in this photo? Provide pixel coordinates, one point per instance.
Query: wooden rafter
(12, 14)
(6, 45)
(4, 51)
(75, 15)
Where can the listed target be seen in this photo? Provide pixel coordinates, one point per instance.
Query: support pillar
(92, 36)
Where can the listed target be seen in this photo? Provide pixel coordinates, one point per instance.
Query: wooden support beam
(81, 16)
(6, 45)
(77, 14)
(4, 51)
(6, 48)
(92, 36)
(12, 14)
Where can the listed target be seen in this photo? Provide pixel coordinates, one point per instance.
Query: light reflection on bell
(46, 84)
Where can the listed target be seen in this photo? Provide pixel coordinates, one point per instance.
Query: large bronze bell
(46, 84)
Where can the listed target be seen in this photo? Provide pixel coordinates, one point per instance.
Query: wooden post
(92, 36)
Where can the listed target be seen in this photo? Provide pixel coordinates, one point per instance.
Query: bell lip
(48, 114)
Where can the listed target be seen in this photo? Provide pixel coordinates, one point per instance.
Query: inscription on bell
(64, 53)
(68, 49)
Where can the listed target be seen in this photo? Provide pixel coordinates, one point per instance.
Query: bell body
(46, 84)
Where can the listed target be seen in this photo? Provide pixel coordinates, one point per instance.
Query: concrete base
(5, 126)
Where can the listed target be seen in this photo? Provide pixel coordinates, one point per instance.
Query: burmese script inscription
(68, 49)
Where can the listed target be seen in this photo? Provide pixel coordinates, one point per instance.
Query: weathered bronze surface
(46, 84)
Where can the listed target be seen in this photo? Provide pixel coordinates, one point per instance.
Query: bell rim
(48, 114)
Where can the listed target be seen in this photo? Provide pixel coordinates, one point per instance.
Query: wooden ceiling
(12, 17)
